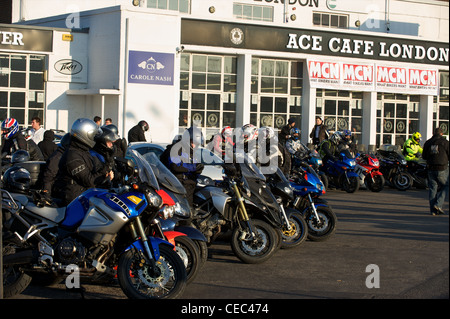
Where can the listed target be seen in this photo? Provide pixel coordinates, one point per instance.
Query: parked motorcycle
(221, 208)
(368, 169)
(190, 243)
(418, 170)
(341, 172)
(95, 232)
(294, 230)
(393, 167)
(312, 157)
(319, 216)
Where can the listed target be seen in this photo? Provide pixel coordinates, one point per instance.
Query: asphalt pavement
(386, 246)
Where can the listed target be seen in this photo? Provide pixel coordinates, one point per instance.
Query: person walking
(436, 153)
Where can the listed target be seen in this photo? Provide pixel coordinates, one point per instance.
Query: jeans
(438, 188)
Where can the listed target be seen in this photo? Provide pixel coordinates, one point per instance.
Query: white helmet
(249, 133)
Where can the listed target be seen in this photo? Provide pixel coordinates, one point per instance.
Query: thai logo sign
(150, 68)
(373, 77)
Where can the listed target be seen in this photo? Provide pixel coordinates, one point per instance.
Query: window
(174, 5)
(207, 92)
(22, 87)
(330, 20)
(441, 104)
(397, 118)
(276, 92)
(341, 110)
(253, 12)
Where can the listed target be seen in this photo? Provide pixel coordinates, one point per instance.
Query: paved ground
(391, 230)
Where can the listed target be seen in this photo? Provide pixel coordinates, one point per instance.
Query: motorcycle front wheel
(254, 249)
(189, 254)
(402, 181)
(297, 233)
(350, 184)
(322, 228)
(377, 184)
(139, 281)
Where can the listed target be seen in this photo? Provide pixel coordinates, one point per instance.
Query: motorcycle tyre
(402, 181)
(203, 251)
(20, 281)
(322, 211)
(193, 254)
(324, 180)
(258, 226)
(377, 185)
(300, 224)
(124, 272)
(351, 187)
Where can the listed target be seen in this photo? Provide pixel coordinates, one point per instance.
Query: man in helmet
(411, 148)
(179, 158)
(329, 147)
(78, 169)
(347, 141)
(104, 147)
(293, 144)
(120, 145)
(12, 138)
(137, 132)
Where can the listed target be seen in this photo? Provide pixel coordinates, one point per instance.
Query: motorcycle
(221, 208)
(190, 243)
(418, 170)
(341, 172)
(368, 169)
(312, 157)
(97, 231)
(319, 216)
(393, 167)
(294, 230)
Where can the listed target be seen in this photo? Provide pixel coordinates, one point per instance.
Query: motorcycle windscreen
(164, 175)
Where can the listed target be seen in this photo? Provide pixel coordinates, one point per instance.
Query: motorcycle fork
(311, 204)
(286, 220)
(137, 231)
(242, 211)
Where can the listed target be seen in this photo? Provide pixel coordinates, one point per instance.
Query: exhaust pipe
(21, 258)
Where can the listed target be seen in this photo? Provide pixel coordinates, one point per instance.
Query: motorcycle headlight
(167, 211)
(403, 162)
(288, 190)
(153, 199)
(352, 163)
(182, 210)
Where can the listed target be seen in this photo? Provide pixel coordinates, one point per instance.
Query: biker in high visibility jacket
(329, 147)
(411, 148)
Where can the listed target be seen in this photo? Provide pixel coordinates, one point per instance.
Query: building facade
(376, 67)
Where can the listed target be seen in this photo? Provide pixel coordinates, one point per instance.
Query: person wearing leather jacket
(78, 169)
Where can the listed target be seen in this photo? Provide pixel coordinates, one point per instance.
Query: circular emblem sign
(237, 36)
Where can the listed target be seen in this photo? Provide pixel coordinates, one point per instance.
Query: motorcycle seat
(51, 213)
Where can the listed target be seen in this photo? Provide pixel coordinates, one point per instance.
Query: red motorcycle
(368, 169)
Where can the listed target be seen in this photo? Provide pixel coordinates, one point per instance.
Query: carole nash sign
(150, 68)
(315, 42)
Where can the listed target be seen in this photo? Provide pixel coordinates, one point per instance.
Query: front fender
(171, 235)
(154, 243)
(191, 232)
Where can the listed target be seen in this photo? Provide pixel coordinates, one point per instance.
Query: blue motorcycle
(319, 216)
(96, 232)
(341, 172)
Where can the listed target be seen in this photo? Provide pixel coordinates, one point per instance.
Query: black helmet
(144, 125)
(105, 135)
(112, 127)
(20, 156)
(17, 180)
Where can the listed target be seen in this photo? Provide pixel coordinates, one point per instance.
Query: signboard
(67, 68)
(317, 42)
(26, 39)
(150, 68)
(373, 77)
(339, 75)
